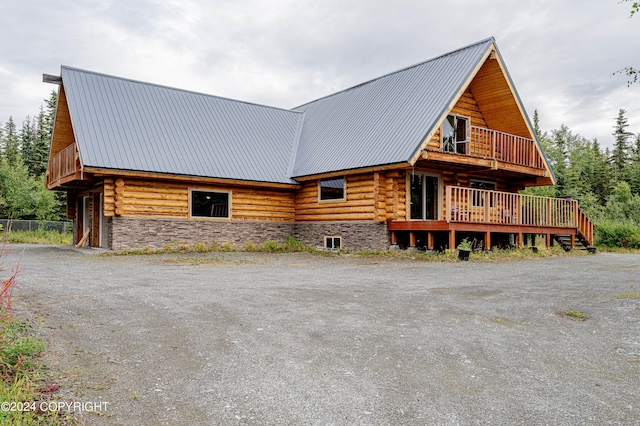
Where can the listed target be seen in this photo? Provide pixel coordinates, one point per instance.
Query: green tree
(10, 141)
(27, 138)
(620, 157)
(44, 131)
(631, 72)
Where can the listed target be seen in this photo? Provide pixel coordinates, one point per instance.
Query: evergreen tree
(10, 142)
(620, 157)
(27, 138)
(536, 125)
(601, 185)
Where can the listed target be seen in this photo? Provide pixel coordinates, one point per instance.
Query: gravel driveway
(245, 338)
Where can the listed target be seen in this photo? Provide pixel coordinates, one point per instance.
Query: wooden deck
(64, 167)
(487, 212)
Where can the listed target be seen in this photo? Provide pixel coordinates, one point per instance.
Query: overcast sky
(560, 53)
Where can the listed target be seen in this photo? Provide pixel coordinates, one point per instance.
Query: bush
(617, 234)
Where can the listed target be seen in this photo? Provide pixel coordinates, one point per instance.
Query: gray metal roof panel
(130, 125)
(385, 120)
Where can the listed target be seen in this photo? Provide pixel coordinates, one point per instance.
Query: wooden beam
(53, 79)
(192, 179)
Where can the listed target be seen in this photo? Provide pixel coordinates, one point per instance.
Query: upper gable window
(332, 189)
(212, 204)
(455, 134)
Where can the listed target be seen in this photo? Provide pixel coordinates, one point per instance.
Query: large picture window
(332, 189)
(210, 204)
(455, 134)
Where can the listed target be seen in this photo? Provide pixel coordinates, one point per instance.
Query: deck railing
(63, 164)
(506, 208)
(495, 145)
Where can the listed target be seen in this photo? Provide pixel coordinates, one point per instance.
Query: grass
(635, 295)
(292, 245)
(20, 365)
(577, 315)
(37, 237)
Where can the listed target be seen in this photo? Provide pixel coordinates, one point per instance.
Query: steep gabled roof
(385, 120)
(122, 124)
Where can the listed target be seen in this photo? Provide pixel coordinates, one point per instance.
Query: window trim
(344, 190)
(456, 142)
(219, 191)
(332, 237)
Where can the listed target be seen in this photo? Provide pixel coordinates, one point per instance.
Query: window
(332, 189)
(332, 242)
(455, 134)
(210, 204)
(478, 198)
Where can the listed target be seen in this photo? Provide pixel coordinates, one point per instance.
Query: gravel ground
(243, 338)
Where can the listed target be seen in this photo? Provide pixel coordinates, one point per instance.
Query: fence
(34, 225)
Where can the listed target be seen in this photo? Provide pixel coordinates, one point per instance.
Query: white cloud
(560, 53)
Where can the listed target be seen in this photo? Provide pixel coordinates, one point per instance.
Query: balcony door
(425, 196)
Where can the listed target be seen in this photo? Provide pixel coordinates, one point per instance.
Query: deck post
(549, 241)
(412, 239)
(519, 239)
(487, 240)
(452, 239)
(394, 238)
(573, 241)
(430, 242)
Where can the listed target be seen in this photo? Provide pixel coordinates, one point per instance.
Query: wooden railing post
(448, 205)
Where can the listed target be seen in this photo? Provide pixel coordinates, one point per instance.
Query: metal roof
(129, 125)
(385, 120)
(123, 124)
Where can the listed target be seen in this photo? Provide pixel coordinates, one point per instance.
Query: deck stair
(579, 243)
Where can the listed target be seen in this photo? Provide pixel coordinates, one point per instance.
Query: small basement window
(210, 204)
(332, 189)
(332, 242)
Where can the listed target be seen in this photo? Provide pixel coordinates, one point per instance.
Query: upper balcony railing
(505, 147)
(62, 165)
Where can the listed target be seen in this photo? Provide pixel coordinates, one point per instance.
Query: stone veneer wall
(355, 235)
(128, 233)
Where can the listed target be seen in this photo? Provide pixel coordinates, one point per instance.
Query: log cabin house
(420, 157)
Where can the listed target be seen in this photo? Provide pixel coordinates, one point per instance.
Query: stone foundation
(356, 236)
(138, 233)
(127, 233)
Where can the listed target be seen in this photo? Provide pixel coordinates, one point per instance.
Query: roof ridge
(175, 88)
(296, 145)
(492, 39)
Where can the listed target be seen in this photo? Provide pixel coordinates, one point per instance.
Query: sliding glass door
(425, 192)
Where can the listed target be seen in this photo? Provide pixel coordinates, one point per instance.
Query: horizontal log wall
(378, 197)
(160, 199)
(359, 203)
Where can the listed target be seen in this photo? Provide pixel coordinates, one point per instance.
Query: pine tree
(42, 141)
(10, 142)
(27, 138)
(620, 157)
(536, 124)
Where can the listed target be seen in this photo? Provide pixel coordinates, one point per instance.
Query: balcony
(483, 211)
(492, 147)
(64, 167)
(468, 205)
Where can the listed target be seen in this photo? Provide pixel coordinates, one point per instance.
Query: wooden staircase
(584, 237)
